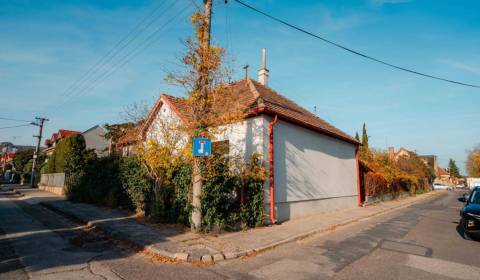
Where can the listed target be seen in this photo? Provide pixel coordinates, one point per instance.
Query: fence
(53, 182)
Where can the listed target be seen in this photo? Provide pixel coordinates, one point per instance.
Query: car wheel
(465, 231)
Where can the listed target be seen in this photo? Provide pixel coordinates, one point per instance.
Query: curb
(224, 256)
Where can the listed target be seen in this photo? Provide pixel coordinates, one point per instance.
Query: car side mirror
(462, 199)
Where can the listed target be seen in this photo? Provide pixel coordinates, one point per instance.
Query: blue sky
(47, 45)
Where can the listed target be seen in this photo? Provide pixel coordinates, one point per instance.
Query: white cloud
(474, 69)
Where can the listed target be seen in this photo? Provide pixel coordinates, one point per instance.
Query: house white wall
(168, 121)
(245, 138)
(95, 139)
(313, 172)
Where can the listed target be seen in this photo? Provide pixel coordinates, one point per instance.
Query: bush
(229, 200)
(252, 194)
(171, 201)
(220, 202)
(375, 184)
(135, 182)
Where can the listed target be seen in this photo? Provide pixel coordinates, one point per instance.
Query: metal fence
(53, 179)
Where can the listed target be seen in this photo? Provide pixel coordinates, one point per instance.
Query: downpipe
(272, 170)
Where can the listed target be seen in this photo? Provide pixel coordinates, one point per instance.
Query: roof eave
(305, 125)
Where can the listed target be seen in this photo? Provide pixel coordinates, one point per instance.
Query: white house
(315, 165)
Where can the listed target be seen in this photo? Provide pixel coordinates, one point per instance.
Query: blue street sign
(202, 147)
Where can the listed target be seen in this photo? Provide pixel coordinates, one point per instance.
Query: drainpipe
(357, 154)
(272, 175)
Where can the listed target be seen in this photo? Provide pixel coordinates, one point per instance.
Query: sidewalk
(177, 243)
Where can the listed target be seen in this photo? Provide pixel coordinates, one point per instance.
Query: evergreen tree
(356, 136)
(364, 137)
(454, 171)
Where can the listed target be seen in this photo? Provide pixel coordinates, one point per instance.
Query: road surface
(417, 242)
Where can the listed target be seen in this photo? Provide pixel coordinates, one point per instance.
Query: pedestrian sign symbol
(202, 147)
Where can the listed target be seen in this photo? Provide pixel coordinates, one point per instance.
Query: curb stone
(218, 257)
(231, 255)
(207, 258)
(223, 256)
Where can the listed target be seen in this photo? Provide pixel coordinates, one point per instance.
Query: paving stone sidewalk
(179, 243)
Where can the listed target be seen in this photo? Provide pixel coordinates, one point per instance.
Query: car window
(475, 197)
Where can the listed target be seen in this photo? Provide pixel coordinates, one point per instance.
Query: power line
(351, 50)
(125, 59)
(114, 50)
(6, 127)
(14, 120)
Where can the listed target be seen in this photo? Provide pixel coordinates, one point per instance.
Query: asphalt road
(417, 242)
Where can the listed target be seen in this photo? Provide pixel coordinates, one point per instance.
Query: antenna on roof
(246, 71)
(263, 72)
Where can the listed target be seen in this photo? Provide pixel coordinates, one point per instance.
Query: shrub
(171, 200)
(375, 184)
(229, 199)
(220, 202)
(252, 195)
(135, 182)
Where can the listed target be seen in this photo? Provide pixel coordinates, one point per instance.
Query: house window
(221, 148)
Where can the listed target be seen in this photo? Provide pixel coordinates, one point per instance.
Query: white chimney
(263, 72)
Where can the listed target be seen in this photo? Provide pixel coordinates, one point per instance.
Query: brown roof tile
(254, 98)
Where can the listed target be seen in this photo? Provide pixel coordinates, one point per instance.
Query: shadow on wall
(311, 166)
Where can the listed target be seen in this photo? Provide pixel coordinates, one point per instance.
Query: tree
(21, 159)
(115, 131)
(65, 153)
(356, 136)
(365, 153)
(210, 105)
(454, 171)
(473, 162)
(364, 137)
(135, 112)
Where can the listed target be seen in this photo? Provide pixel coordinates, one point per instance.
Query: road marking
(444, 268)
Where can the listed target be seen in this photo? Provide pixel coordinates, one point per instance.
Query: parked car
(440, 186)
(470, 214)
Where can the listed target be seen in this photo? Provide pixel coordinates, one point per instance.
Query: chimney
(391, 153)
(263, 72)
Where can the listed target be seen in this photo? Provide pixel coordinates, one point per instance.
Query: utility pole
(39, 123)
(203, 83)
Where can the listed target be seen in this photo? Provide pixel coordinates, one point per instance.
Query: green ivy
(136, 182)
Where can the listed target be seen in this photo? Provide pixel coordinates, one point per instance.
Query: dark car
(470, 214)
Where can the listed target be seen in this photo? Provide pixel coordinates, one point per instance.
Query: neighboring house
(315, 164)
(8, 151)
(51, 142)
(429, 160)
(443, 175)
(95, 140)
(402, 152)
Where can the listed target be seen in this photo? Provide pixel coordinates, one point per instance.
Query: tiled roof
(442, 171)
(132, 136)
(254, 98)
(62, 133)
(274, 103)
